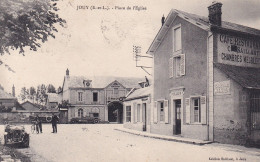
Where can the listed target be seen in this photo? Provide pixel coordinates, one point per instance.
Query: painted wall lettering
(222, 88)
(238, 51)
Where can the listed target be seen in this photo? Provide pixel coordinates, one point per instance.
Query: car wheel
(73, 122)
(95, 121)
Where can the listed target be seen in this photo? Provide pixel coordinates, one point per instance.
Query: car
(16, 134)
(86, 119)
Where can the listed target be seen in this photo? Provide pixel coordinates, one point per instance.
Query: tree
(27, 23)
(59, 89)
(32, 93)
(51, 89)
(24, 93)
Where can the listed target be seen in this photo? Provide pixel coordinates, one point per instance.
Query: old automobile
(16, 134)
(92, 118)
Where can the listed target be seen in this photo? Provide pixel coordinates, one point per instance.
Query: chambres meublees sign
(238, 51)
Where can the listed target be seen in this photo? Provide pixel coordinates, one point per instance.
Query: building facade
(137, 110)
(99, 96)
(210, 87)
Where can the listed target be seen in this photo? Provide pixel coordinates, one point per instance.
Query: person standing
(37, 124)
(54, 121)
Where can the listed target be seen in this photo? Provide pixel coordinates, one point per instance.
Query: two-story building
(206, 78)
(100, 96)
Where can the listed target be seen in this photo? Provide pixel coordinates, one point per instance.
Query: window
(95, 96)
(128, 113)
(161, 111)
(177, 39)
(115, 90)
(138, 112)
(196, 110)
(80, 113)
(80, 96)
(177, 65)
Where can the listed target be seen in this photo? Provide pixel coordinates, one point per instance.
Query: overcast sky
(100, 42)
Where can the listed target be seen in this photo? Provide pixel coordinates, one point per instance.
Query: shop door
(178, 116)
(144, 117)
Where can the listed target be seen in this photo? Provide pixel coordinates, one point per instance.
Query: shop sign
(238, 51)
(222, 88)
(177, 92)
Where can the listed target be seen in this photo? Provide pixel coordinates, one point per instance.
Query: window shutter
(141, 114)
(182, 64)
(155, 117)
(135, 112)
(187, 106)
(203, 110)
(171, 67)
(166, 111)
(132, 113)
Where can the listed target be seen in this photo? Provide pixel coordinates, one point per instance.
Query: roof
(53, 97)
(5, 95)
(200, 21)
(103, 81)
(140, 93)
(245, 76)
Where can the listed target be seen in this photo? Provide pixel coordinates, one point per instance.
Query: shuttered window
(138, 112)
(128, 113)
(162, 111)
(196, 110)
(178, 65)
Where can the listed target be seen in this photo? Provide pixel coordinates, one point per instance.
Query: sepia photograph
(129, 80)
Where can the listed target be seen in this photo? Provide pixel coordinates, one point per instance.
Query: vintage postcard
(129, 80)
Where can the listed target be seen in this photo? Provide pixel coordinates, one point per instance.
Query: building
(206, 78)
(99, 96)
(53, 99)
(137, 109)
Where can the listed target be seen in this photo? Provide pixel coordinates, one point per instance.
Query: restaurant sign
(238, 51)
(222, 88)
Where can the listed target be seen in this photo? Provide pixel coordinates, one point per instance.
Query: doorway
(144, 117)
(178, 116)
(115, 112)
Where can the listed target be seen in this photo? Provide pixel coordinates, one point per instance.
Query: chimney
(163, 20)
(13, 91)
(67, 72)
(215, 13)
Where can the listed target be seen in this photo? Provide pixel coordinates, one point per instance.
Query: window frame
(174, 38)
(138, 109)
(80, 96)
(161, 111)
(128, 111)
(94, 96)
(80, 112)
(192, 110)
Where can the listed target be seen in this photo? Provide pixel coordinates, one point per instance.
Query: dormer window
(87, 83)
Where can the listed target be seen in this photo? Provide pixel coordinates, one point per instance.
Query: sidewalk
(163, 137)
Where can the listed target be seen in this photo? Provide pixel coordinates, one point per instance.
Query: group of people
(54, 121)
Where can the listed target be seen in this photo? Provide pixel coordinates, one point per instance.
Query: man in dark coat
(38, 124)
(54, 121)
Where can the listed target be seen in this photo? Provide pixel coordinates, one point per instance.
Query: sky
(100, 42)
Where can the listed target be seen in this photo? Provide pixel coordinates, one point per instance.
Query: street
(100, 142)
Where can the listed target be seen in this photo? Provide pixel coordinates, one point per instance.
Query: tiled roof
(53, 97)
(245, 76)
(4, 94)
(140, 93)
(225, 24)
(103, 81)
